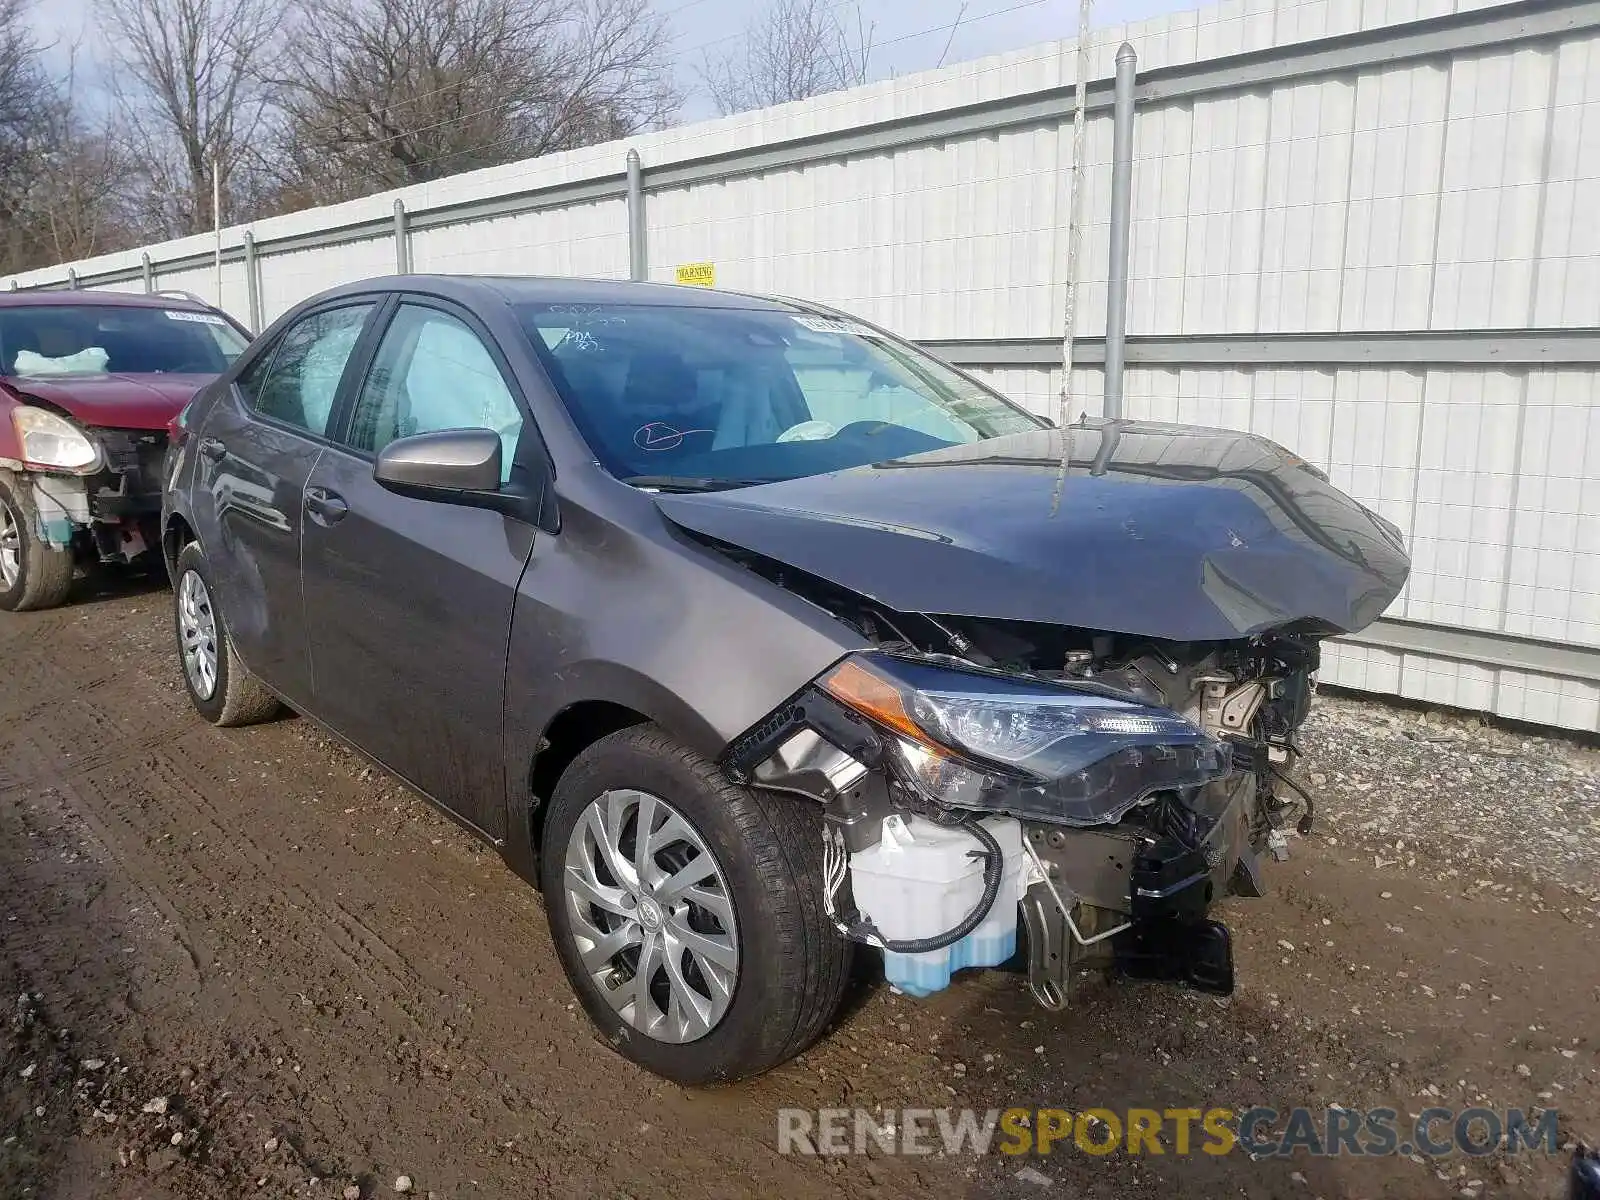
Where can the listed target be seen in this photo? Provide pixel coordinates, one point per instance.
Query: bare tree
(21, 76)
(26, 105)
(796, 50)
(77, 200)
(190, 85)
(58, 173)
(392, 92)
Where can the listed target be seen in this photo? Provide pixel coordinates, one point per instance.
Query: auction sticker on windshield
(832, 325)
(174, 314)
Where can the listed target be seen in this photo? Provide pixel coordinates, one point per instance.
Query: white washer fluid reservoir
(922, 880)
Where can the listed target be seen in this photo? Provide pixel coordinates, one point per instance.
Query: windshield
(96, 339)
(729, 396)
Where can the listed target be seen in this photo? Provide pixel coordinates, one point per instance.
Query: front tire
(221, 689)
(33, 574)
(721, 906)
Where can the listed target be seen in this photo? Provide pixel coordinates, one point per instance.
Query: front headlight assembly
(997, 743)
(53, 442)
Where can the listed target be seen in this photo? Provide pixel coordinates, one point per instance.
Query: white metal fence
(1364, 228)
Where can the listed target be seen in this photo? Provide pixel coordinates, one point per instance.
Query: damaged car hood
(1168, 531)
(113, 401)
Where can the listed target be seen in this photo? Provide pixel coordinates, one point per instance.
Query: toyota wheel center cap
(649, 913)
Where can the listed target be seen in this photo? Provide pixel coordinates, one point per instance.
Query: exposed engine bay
(109, 514)
(112, 514)
(999, 792)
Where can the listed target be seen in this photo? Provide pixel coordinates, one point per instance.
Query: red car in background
(89, 384)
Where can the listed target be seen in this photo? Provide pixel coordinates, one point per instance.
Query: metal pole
(638, 262)
(148, 270)
(402, 240)
(1121, 218)
(216, 217)
(1075, 215)
(72, 278)
(252, 280)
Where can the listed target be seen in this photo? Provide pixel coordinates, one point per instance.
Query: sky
(907, 35)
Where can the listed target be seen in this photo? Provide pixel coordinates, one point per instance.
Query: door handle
(213, 449)
(325, 507)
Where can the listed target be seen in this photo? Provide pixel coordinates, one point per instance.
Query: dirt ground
(244, 963)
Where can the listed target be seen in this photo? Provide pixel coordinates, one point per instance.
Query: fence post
(72, 278)
(149, 271)
(1069, 292)
(1121, 219)
(638, 260)
(402, 240)
(252, 280)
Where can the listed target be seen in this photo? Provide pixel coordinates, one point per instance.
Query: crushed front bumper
(1137, 895)
(1134, 894)
(114, 514)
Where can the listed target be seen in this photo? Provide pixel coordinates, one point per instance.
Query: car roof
(536, 289)
(542, 290)
(83, 298)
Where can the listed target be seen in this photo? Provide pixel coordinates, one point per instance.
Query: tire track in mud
(153, 803)
(125, 768)
(171, 778)
(375, 977)
(74, 923)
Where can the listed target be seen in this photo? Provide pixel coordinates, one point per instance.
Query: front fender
(10, 444)
(613, 683)
(673, 631)
(579, 684)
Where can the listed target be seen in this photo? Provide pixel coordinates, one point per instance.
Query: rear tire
(792, 965)
(221, 689)
(33, 574)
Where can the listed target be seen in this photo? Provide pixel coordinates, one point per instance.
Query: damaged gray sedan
(753, 635)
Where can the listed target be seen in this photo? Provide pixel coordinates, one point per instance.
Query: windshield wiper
(690, 483)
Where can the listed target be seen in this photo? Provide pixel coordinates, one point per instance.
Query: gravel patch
(1454, 788)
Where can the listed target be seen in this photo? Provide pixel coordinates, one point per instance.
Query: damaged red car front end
(90, 384)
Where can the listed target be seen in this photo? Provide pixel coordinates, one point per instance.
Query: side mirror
(446, 466)
(463, 466)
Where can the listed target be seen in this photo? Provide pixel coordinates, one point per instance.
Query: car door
(258, 446)
(409, 601)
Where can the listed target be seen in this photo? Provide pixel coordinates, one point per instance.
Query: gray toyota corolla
(752, 634)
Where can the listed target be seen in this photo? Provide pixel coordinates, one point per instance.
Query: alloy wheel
(10, 549)
(197, 632)
(652, 916)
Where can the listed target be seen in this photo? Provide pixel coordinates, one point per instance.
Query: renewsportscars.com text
(1259, 1132)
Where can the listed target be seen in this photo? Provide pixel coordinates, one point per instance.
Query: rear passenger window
(297, 383)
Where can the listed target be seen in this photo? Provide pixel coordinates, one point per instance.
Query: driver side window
(433, 373)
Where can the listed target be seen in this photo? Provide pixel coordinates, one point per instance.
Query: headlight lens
(1033, 730)
(52, 441)
(976, 740)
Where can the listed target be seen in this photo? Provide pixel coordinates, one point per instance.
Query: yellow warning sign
(698, 274)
